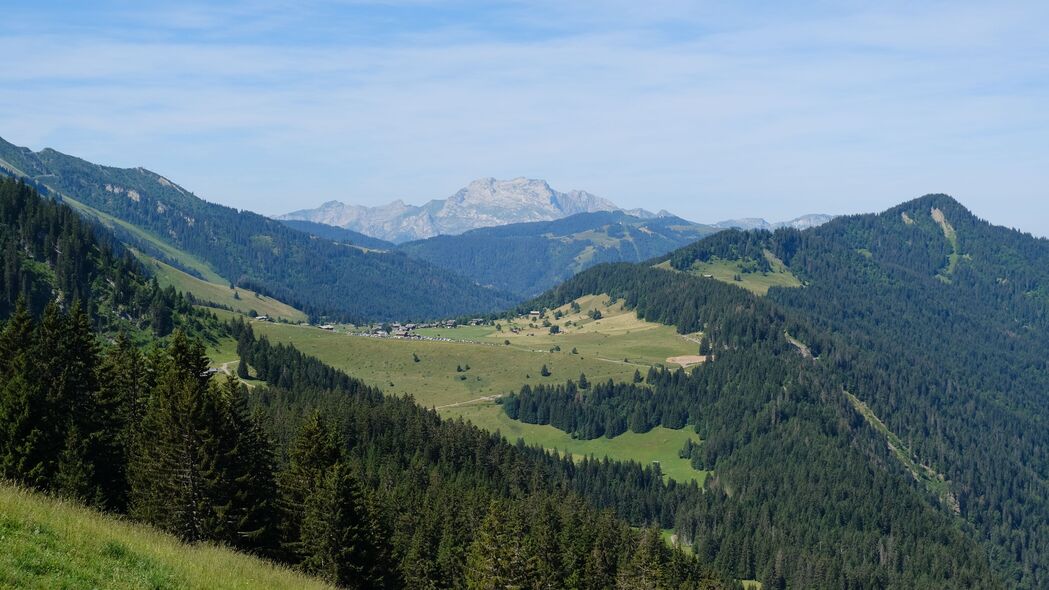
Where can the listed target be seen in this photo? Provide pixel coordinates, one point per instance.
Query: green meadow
(462, 377)
(757, 282)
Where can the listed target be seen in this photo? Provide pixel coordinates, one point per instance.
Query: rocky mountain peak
(484, 202)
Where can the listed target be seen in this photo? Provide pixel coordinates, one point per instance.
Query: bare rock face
(485, 202)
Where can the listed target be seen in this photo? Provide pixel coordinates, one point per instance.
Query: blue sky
(709, 110)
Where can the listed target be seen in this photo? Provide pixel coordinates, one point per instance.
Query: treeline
(731, 244)
(603, 409)
(319, 276)
(729, 317)
(48, 253)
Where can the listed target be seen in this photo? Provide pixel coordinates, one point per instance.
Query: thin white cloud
(713, 117)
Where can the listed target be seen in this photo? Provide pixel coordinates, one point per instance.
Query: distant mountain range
(485, 202)
(749, 223)
(488, 202)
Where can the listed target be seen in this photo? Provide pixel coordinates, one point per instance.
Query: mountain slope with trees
(528, 258)
(319, 276)
(933, 319)
(315, 469)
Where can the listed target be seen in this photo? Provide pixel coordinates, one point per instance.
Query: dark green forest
(50, 254)
(529, 258)
(939, 326)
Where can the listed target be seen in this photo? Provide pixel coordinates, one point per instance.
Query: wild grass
(49, 543)
(657, 445)
(242, 300)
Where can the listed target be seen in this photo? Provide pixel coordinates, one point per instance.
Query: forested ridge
(932, 317)
(313, 469)
(796, 469)
(319, 276)
(528, 258)
(51, 255)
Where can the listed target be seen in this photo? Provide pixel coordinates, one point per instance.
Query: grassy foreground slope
(48, 543)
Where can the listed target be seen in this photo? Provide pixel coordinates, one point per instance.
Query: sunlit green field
(242, 300)
(759, 283)
(47, 543)
(434, 380)
(617, 336)
(657, 445)
(463, 378)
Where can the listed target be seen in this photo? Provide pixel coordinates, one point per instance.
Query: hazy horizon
(713, 113)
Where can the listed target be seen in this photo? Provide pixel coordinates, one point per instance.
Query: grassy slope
(212, 288)
(220, 292)
(657, 445)
(46, 543)
(758, 283)
(496, 369)
(618, 335)
(185, 259)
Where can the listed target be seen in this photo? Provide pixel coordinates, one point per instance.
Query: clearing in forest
(744, 273)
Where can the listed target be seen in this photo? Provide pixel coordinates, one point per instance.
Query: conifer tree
(23, 456)
(76, 410)
(646, 568)
(314, 451)
(181, 455)
(497, 556)
(126, 380)
(339, 541)
(254, 513)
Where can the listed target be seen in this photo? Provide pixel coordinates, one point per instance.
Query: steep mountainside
(485, 202)
(50, 254)
(527, 258)
(319, 276)
(920, 337)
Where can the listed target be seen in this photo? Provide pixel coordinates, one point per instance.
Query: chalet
(262, 318)
(476, 321)
(328, 327)
(409, 326)
(449, 323)
(534, 315)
